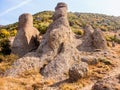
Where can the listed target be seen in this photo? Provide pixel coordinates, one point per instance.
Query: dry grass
(6, 62)
(24, 82)
(76, 85)
(99, 70)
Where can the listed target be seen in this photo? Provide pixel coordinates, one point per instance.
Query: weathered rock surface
(92, 40)
(90, 60)
(87, 40)
(99, 41)
(78, 71)
(60, 42)
(26, 38)
(56, 52)
(111, 83)
(30, 61)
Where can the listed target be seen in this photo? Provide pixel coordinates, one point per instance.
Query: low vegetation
(76, 20)
(6, 62)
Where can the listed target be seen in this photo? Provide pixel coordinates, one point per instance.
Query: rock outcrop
(93, 39)
(56, 52)
(59, 41)
(99, 41)
(87, 40)
(26, 38)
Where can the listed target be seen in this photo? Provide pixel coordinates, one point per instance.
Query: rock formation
(99, 41)
(56, 52)
(87, 40)
(57, 55)
(92, 40)
(59, 41)
(26, 38)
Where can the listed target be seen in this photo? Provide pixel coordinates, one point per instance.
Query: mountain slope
(76, 20)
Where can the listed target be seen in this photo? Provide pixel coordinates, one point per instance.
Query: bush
(4, 33)
(43, 28)
(78, 31)
(117, 40)
(105, 61)
(112, 38)
(13, 32)
(5, 46)
(109, 38)
(103, 28)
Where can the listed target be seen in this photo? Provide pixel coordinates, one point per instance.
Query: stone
(99, 40)
(110, 83)
(93, 40)
(102, 86)
(90, 60)
(26, 38)
(87, 40)
(78, 71)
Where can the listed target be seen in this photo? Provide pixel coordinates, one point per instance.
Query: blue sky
(10, 10)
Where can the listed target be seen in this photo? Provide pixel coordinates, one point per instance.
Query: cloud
(15, 7)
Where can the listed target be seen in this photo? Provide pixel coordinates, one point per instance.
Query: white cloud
(15, 7)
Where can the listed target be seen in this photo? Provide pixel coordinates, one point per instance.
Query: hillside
(110, 25)
(77, 20)
(69, 51)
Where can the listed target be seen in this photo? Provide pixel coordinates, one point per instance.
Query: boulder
(87, 40)
(99, 40)
(90, 60)
(26, 38)
(110, 83)
(78, 71)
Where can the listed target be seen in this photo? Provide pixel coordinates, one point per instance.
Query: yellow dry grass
(20, 83)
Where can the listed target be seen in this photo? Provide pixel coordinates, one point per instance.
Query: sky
(10, 10)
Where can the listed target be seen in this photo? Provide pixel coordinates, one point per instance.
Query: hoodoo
(26, 38)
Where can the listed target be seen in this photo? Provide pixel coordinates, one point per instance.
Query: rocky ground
(62, 60)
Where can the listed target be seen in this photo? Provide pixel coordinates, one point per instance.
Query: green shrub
(105, 61)
(117, 40)
(13, 32)
(43, 29)
(112, 38)
(103, 28)
(109, 38)
(5, 46)
(4, 33)
(78, 31)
